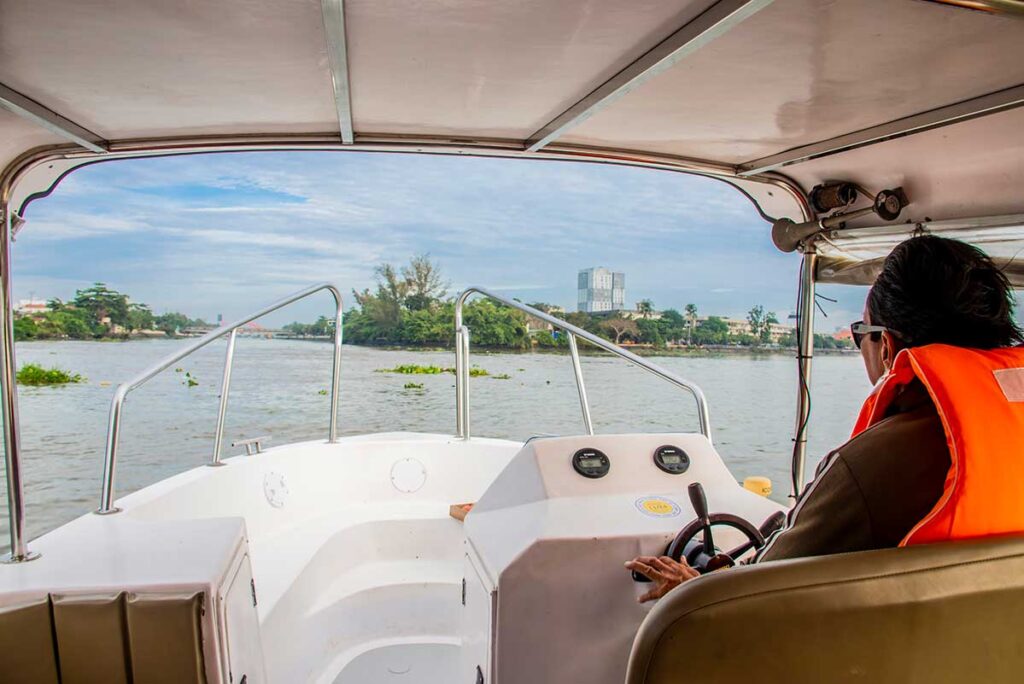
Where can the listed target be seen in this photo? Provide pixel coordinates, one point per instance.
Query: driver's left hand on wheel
(667, 574)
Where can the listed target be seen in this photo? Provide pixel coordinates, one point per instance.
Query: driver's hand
(667, 574)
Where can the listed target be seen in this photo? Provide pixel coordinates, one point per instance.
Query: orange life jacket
(979, 396)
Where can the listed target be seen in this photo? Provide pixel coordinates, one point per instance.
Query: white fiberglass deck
(357, 563)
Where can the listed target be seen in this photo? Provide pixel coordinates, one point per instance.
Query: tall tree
(761, 324)
(384, 307)
(619, 327)
(766, 327)
(755, 317)
(691, 318)
(102, 302)
(645, 307)
(424, 284)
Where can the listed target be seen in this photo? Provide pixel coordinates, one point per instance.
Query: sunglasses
(859, 329)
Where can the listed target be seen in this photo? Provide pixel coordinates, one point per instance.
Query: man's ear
(889, 349)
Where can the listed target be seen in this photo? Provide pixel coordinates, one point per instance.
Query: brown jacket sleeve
(870, 492)
(831, 517)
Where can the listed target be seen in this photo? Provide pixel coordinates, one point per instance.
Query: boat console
(547, 597)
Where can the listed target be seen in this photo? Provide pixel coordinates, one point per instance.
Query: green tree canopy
(712, 330)
(139, 317)
(101, 302)
(424, 285)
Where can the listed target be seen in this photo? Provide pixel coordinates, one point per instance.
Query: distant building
(29, 307)
(600, 289)
(637, 315)
(741, 326)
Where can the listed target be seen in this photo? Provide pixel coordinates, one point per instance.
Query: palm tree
(645, 307)
(691, 316)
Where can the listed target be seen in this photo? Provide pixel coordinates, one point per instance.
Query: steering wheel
(702, 555)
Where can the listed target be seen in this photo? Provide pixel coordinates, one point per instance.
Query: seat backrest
(950, 612)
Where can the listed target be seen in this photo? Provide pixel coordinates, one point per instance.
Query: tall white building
(600, 289)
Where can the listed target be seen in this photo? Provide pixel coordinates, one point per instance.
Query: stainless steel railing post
(462, 382)
(9, 401)
(225, 388)
(332, 433)
(462, 401)
(110, 462)
(577, 370)
(116, 404)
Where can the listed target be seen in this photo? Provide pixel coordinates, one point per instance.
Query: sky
(228, 233)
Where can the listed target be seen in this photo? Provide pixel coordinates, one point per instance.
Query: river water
(278, 389)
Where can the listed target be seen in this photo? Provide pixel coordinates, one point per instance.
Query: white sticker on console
(657, 507)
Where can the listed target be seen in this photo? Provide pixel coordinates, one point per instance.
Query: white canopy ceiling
(880, 92)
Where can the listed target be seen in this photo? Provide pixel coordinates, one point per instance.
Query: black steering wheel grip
(704, 557)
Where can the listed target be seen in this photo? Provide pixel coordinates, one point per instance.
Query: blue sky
(227, 233)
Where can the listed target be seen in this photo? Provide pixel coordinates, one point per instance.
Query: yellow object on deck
(758, 485)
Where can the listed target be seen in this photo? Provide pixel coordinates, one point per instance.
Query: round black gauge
(671, 459)
(591, 463)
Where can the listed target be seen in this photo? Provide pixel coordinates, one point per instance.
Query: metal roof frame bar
(710, 24)
(30, 110)
(337, 53)
(992, 103)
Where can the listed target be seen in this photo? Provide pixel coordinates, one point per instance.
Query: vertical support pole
(804, 356)
(225, 387)
(462, 382)
(9, 401)
(577, 369)
(336, 368)
(459, 408)
(110, 456)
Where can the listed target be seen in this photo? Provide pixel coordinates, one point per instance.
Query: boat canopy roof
(774, 97)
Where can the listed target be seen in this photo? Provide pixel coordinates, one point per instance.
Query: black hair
(936, 290)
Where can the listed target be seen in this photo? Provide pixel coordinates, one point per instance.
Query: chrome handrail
(574, 332)
(117, 403)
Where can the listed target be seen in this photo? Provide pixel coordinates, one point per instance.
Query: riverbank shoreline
(585, 350)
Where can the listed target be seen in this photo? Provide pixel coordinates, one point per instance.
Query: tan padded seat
(27, 648)
(939, 613)
(166, 639)
(103, 639)
(91, 633)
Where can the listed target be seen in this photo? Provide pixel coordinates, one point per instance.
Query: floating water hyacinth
(35, 375)
(415, 369)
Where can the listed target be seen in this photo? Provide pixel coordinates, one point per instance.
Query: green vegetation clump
(416, 369)
(413, 385)
(34, 374)
(502, 376)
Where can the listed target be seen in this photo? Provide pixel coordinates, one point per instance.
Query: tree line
(97, 312)
(410, 306)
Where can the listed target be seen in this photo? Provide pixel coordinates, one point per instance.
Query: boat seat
(112, 638)
(948, 612)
